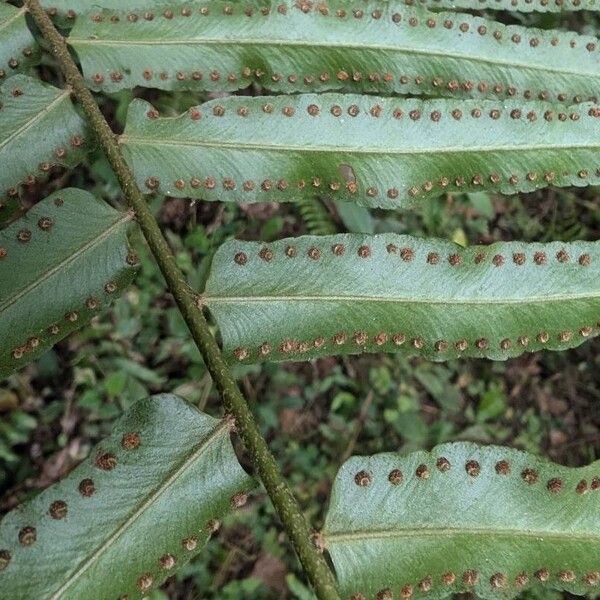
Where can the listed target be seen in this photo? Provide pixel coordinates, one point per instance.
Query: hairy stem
(284, 501)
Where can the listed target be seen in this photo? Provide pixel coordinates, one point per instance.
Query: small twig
(349, 367)
(217, 221)
(221, 575)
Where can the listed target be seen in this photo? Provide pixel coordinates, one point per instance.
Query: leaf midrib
(208, 299)
(437, 532)
(38, 117)
(298, 43)
(172, 476)
(89, 245)
(4, 24)
(129, 140)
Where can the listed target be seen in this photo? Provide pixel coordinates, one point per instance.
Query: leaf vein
(4, 24)
(406, 300)
(130, 140)
(180, 468)
(437, 532)
(38, 117)
(89, 245)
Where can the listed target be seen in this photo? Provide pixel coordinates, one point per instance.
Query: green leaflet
(143, 503)
(293, 46)
(18, 48)
(28, 108)
(60, 264)
(312, 296)
(386, 152)
(463, 517)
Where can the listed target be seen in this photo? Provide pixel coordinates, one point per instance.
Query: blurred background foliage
(315, 414)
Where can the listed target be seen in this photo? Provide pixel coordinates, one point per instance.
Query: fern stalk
(284, 501)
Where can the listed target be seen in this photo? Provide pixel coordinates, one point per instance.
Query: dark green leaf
(39, 128)
(144, 503)
(308, 46)
(238, 150)
(489, 520)
(60, 263)
(18, 48)
(300, 298)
